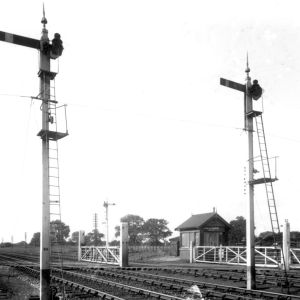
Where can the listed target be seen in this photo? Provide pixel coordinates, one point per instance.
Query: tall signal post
(249, 114)
(106, 204)
(47, 51)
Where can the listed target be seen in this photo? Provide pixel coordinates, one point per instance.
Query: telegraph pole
(106, 204)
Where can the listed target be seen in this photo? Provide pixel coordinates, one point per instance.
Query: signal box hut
(208, 229)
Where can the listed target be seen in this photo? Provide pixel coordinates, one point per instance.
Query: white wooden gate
(295, 257)
(103, 255)
(264, 256)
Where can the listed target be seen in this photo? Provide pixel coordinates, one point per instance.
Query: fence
(264, 256)
(140, 253)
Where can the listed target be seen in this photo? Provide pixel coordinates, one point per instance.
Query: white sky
(150, 127)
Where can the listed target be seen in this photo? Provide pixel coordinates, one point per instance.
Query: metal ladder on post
(267, 180)
(54, 183)
(267, 174)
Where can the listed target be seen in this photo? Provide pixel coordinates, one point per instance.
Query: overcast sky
(151, 129)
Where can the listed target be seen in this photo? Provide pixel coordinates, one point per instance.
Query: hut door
(211, 239)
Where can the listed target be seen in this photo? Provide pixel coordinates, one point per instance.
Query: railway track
(214, 290)
(99, 288)
(263, 277)
(4, 294)
(152, 282)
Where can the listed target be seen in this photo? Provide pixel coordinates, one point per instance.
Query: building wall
(188, 236)
(214, 233)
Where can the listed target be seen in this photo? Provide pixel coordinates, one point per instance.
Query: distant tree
(267, 238)
(94, 238)
(135, 229)
(156, 231)
(117, 229)
(295, 239)
(237, 232)
(114, 243)
(6, 244)
(97, 237)
(22, 244)
(35, 241)
(59, 231)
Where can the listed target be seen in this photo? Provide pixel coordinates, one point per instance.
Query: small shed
(208, 229)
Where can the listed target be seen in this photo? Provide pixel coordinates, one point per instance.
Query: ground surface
(15, 285)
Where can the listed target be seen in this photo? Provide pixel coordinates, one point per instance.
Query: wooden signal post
(47, 51)
(249, 93)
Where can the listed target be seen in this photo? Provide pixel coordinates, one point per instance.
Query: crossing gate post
(124, 245)
(191, 252)
(286, 244)
(80, 241)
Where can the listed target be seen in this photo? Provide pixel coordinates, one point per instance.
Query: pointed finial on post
(44, 20)
(247, 69)
(44, 37)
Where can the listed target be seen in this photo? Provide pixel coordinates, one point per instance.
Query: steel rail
(92, 291)
(262, 277)
(74, 285)
(205, 284)
(126, 287)
(215, 287)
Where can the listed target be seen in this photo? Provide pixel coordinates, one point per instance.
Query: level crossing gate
(264, 256)
(103, 255)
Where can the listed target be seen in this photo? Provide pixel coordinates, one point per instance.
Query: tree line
(155, 232)
(152, 232)
(237, 235)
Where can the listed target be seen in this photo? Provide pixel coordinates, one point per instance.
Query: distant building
(208, 229)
